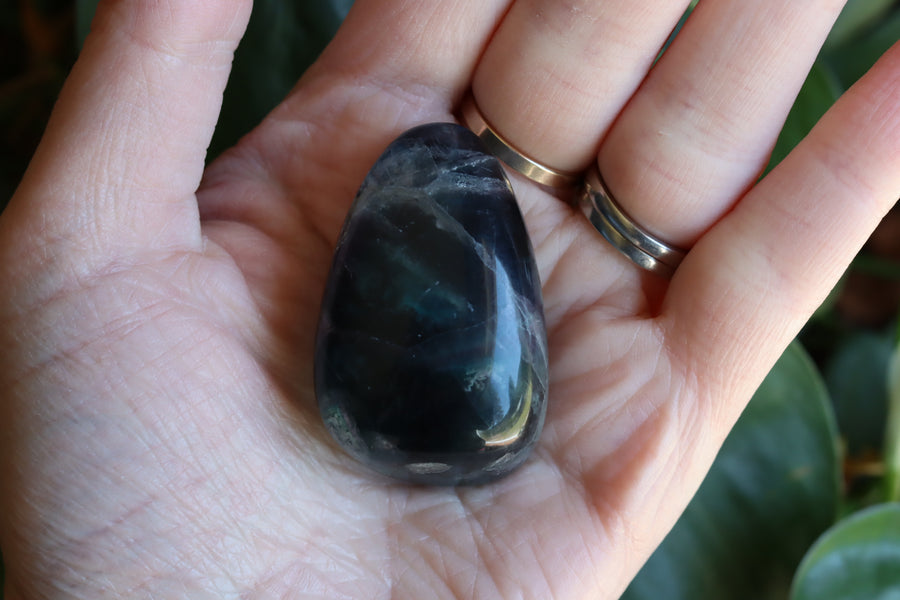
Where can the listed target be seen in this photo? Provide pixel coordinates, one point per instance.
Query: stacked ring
(623, 233)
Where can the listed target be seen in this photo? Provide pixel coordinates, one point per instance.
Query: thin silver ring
(632, 240)
(508, 153)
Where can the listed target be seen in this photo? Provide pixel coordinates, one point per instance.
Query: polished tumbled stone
(431, 353)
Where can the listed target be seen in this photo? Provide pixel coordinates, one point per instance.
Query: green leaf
(857, 559)
(856, 17)
(819, 92)
(772, 490)
(857, 381)
(851, 60)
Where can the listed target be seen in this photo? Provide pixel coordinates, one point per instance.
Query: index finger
(750, 284)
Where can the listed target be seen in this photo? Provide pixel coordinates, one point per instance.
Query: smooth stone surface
(431, 353)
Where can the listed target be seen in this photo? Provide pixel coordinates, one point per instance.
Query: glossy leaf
(772, 490)
(850, 61)
(857, 559)
(857, 382)
(856, 18)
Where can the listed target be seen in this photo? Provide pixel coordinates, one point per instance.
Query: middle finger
(557, 72)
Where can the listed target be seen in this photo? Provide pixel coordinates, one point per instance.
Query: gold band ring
(508, 153)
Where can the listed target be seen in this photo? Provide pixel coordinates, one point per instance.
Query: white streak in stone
(427, 468)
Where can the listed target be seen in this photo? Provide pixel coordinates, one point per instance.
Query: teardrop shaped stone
(431, 352)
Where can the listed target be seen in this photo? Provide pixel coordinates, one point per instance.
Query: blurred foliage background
(802, 501)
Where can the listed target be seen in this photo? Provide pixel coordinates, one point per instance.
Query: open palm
(162, 433)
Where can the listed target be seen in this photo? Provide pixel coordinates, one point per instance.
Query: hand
(161, 435)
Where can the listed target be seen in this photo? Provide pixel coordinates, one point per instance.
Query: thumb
(124, 149)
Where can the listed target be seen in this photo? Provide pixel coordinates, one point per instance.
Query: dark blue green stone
(431, 353)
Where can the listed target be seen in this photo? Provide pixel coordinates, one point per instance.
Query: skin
(161, 437)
